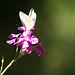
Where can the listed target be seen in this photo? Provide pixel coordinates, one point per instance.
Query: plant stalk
(8, 66)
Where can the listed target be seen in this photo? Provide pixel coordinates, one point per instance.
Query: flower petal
(20, 41)
(13, 35)
(40, 44)
(39, 52)
(32, 28)
(11, 41)
(21, 28)
(25, 45)
(33, 40)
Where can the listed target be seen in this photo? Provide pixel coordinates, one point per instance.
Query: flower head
(26, 40)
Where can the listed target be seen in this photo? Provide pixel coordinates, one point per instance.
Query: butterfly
(28, 21)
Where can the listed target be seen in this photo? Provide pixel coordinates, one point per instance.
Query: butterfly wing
(26, 20)
(32, 14)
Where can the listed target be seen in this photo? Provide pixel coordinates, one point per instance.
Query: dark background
(55, 27)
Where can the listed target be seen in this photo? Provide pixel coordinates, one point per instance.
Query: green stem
(18, 56)
(8, 66)
(15, 59)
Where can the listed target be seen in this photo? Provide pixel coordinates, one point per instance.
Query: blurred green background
(55, 27)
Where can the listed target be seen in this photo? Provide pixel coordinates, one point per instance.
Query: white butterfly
(28, 21)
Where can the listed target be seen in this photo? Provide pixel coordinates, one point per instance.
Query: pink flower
(27, 41)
